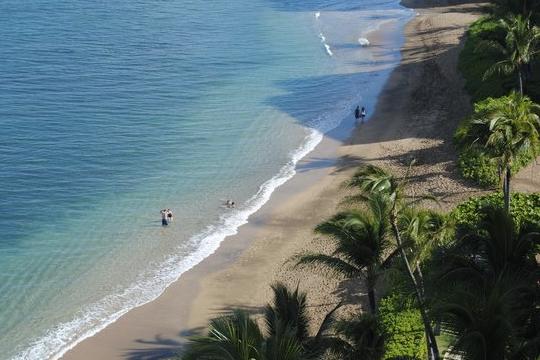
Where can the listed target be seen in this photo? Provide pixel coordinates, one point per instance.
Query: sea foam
(326, 46)
(363, 42)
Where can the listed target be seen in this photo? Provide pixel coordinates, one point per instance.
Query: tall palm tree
(518, 50)
(423, 231)
(362, 245)
(373, 180)
(489, 302)
(510, 128)
(238, 337)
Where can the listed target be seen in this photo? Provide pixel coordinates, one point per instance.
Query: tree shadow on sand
(161, 348)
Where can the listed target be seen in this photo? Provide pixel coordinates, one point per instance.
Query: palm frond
(334, 264)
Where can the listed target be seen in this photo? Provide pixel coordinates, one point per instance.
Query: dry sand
(415, 117)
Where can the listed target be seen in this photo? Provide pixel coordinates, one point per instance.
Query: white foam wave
(326, 46)
(328, 50)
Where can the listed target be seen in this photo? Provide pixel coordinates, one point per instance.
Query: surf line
(326, 46)
(323, 38)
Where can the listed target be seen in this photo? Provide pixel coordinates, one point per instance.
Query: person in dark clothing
(357, 113)
(164, 220)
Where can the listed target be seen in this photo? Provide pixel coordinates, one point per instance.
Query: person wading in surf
(164, 221)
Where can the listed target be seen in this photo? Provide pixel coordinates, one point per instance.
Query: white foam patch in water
(363, 42)
(326, 46)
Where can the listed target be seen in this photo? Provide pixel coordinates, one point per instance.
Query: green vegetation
(473, 63)
(502, 132)
(403, 324)
(525, 208)
(484, 286)
(499, 56)
(481, 52)
(517, 51)
(374, 181)
(237, 336)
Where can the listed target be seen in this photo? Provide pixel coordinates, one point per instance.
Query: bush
(473, 161)
(475, 165)
(525, 208)
(403, 325)
(474, 60)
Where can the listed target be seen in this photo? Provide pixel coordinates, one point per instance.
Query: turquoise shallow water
(110, 111)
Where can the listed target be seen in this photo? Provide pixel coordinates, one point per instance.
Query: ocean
(113, 110)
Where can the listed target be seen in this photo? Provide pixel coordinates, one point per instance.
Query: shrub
(525, 208)
(475, 165)
(403, 325)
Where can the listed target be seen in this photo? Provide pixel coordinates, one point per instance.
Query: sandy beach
(417, 112)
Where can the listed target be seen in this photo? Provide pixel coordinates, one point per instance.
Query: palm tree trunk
(433, 350)
(372, 303)
(520, 76)
(420, 280)
(371, 280)
(506, 189)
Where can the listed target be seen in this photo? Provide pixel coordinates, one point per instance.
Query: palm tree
(373, 180)
(480, 321)
(523, 7)
(489, 301)
(362, 338)
(518, 50)
(423, 231)
(231, 337)
(238, 337)
(362, 243)
(510, 128)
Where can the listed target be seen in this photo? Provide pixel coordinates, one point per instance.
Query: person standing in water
(363, 113)
(164, 221)
(169, 215)
(357, 113)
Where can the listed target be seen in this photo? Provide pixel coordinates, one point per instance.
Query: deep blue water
(112, 110)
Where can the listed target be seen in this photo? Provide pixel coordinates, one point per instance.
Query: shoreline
(240, 271)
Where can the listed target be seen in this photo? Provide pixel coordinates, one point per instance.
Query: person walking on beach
(363, 114)
(164, 221)
(357, 113)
